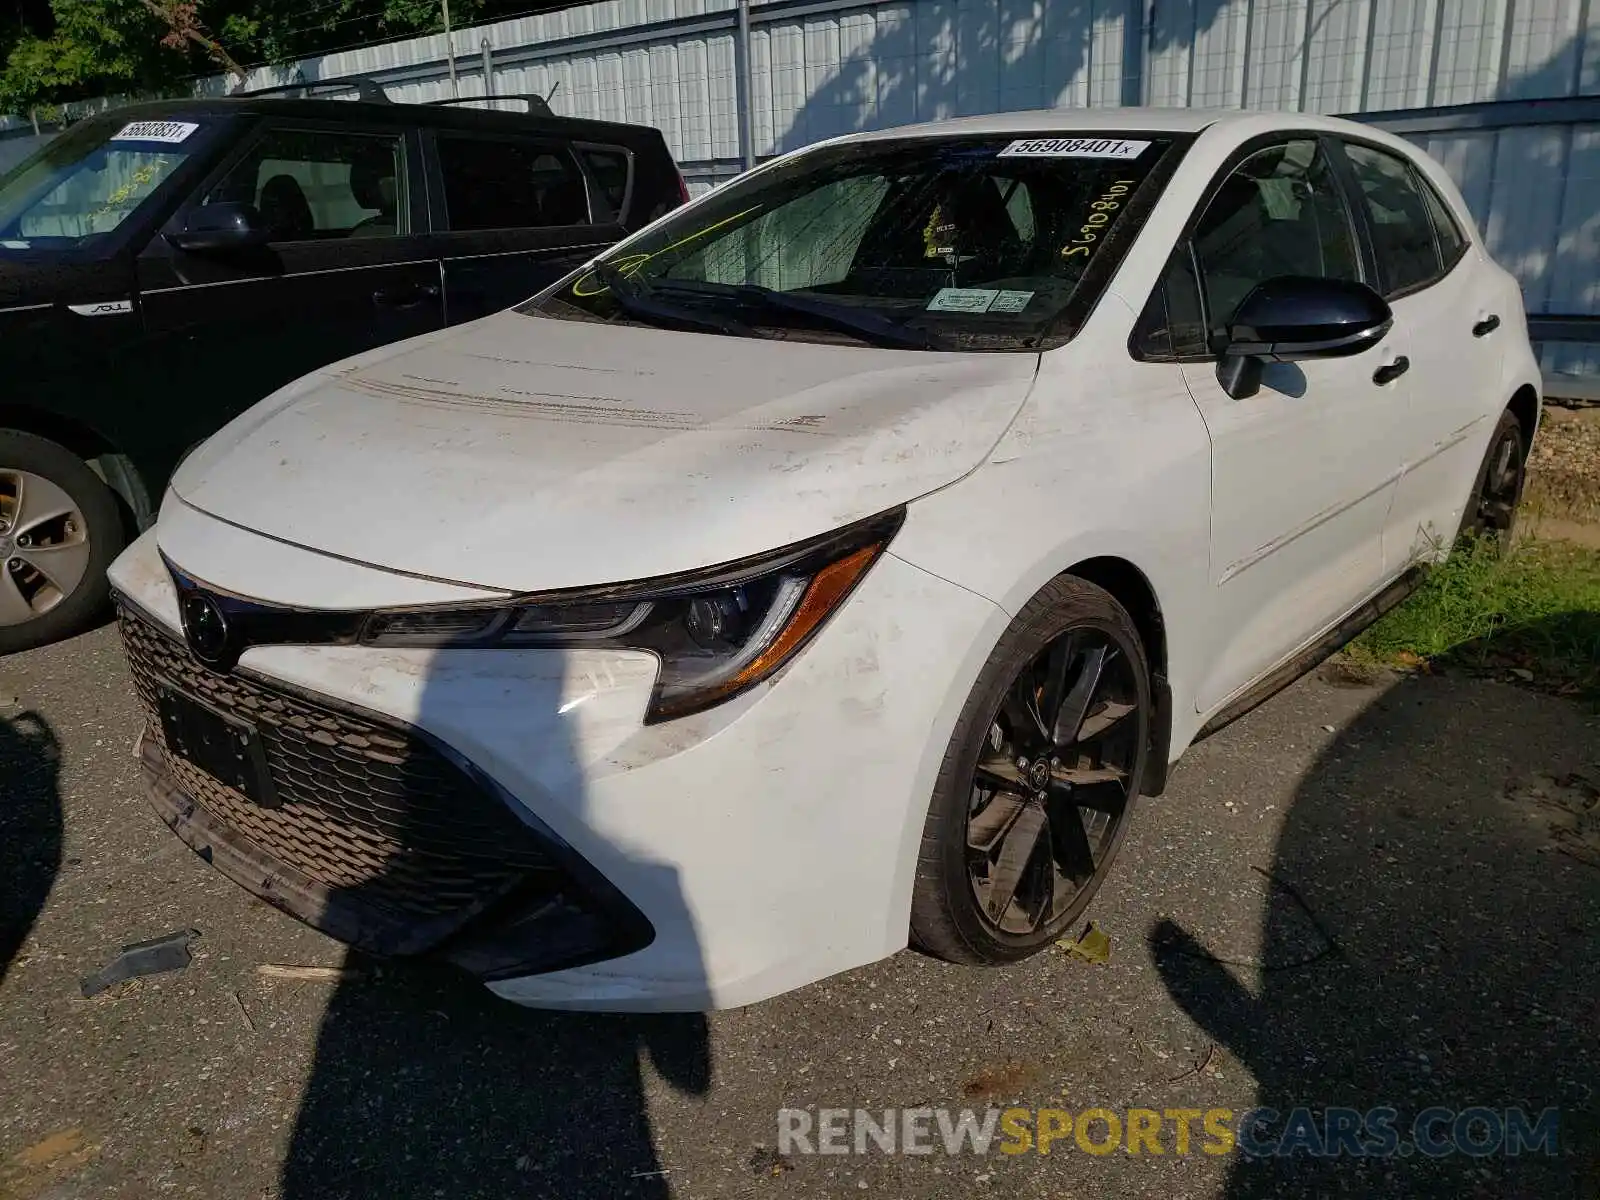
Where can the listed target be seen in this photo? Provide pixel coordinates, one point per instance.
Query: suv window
(311, 184)
(611, 169)
(1279, 213)
(510, 183)
(1402, 231)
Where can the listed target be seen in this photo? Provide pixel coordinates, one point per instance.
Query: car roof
(1109, 120)
(438, 116)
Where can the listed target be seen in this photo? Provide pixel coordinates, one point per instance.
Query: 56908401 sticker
(1101, 212)
(1079, 147)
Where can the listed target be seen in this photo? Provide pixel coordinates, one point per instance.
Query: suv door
(1444, 300)
(519, 212)
(347, 268)
(1304, 470)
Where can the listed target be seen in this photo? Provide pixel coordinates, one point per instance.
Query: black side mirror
(1296, 317)
(220, 228)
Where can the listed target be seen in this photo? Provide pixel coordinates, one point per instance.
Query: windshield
(81, 188)
(989, 242)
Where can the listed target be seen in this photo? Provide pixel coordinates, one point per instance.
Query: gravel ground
(1564, 465)
(1403, 878)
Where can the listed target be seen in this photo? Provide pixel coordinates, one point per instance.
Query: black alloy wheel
(1040, 781)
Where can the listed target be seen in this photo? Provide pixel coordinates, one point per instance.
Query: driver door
(1304, 471)
(349, 267)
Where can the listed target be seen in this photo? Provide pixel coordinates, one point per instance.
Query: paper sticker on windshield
(1010, 302)
(155, 131)
(1074, 148)
(974, 300)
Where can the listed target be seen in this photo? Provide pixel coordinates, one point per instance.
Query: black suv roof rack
(538, 105)
(366, 89)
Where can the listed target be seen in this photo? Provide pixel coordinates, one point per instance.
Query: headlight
(715, 632)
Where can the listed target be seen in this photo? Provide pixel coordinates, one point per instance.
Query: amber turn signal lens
(827, 590)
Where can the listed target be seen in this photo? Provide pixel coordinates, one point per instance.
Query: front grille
(374, 818)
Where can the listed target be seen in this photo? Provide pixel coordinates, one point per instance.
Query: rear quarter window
(612, 169)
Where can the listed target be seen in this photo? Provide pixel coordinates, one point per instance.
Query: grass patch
(1534, 612)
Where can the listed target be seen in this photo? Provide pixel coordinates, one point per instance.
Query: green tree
(58, 50)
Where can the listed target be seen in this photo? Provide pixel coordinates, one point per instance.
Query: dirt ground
(1378, 893)
(1564, 469)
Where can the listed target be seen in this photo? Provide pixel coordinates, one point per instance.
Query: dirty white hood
(528, 453)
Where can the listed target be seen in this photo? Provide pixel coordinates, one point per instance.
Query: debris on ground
(1572, 804)
(169, 953)
(1094, 946)
(45, 1163)
(769, 1162)
(1004, 1081)
(308, 974)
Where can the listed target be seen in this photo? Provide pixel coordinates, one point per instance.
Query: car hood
(528, 453)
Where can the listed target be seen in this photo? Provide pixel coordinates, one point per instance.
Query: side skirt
(1304, 659)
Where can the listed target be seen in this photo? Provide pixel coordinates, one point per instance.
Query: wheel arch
(115, 468)
(1524, 405)
(1133, 590)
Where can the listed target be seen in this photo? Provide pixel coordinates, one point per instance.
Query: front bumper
(377, 836)
(700, 863)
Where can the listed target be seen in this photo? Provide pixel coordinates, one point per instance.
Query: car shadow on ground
(1428, 942)
(425, 1083)
(30, 826)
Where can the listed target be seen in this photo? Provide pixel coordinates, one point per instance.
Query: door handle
(1486, 326)
(404, 297)
(1389, 372)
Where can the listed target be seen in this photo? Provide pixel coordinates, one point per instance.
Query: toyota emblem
(205, 628)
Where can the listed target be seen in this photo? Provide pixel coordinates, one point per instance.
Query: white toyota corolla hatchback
(831, 563)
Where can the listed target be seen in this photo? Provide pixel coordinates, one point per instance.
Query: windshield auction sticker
(155, 131)
(973, 300)
(978, 300)
(1074, 148)
(1010, 302)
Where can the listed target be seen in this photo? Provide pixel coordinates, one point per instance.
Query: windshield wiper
(863, 323)
(637, 300)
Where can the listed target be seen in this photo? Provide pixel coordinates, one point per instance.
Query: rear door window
(510, 183)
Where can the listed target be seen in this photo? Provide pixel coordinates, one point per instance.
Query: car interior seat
(285, 210)
(373, 183)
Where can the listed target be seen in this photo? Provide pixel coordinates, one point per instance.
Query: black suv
(167, 265)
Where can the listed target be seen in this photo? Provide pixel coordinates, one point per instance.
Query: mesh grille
(366, 811)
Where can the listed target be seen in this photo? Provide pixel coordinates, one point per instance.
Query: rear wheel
(1039, 780)
(1492, 507)
(59, 530)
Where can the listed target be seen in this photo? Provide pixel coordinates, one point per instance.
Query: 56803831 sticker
(155, 131)
(1079, 147)
(1101, 212)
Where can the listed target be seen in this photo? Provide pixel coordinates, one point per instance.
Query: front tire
(59, 530)
(1039, 781)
